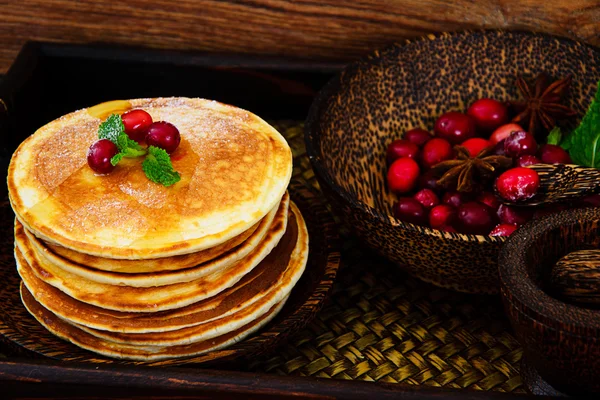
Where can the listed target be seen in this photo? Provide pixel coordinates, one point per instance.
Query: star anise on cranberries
(542, 105)
(466, 173)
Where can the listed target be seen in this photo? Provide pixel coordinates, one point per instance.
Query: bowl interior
(374, 101)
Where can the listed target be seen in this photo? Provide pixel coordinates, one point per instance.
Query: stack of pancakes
(128, 268)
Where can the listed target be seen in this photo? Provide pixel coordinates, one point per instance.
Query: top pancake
(234, 169)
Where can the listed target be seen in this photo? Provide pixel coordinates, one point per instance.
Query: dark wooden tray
(63, 85)
(48, 80)
(22, 333)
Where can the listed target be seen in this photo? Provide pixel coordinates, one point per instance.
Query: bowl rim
(332, 87)
(518, 288)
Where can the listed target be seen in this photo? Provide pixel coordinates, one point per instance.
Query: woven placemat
(383, 325)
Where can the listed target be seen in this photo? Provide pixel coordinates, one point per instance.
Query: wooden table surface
(27, 379)
(329, 29)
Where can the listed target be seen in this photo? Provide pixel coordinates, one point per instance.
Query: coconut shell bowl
(374, 100)
(561, 339)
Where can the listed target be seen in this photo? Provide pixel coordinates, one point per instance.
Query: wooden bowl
(375, 100)
(26, 337)
(560, 341)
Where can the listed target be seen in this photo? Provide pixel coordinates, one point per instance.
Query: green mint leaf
(130, 147)
(116, 158)
(567, 142)
(112, 128)
(584, 143)
(127, 148)
(158, 168)
(555, 136)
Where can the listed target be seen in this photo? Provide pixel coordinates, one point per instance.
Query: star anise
(465, 172)
(542, 105)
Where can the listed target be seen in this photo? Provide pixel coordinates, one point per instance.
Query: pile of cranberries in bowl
(446, 180)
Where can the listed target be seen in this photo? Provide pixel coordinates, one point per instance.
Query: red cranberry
(592, 200)
(475, 145)
(442, 215)
(518, 184)
(503, 132)
(455, 199)
(429, 181)
(427, 198)
(136, 123)
(489, 199)
(447, 228)
(488, 114)
(552, 154)
(402, 175)
(99, 156)
(498, 149)
(503, 230)
(526, 160)
(475, 218)
(417, 136)
(164, 135)
(401, 148)
(410, 210)
(519, 144)
(514, 215)
(436, 151)
(455, 127)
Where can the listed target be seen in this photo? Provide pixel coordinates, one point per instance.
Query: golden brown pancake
(146, 299)
(256, 292)
(160, 278)
(173, 263)
(292, 257)
(234, 169)
(72, 334)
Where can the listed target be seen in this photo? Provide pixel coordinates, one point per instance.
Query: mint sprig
(116, 158)
(555, 136)
(157, 165)
(158, 168)
(112, 128)
(129, 147)
(583, 144)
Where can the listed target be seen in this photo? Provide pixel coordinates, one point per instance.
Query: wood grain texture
(560, 341)
(331, 30)
(363, 109)
(22, 377)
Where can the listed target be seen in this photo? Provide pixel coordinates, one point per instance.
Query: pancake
(234, 169)
(294, 263)
(172, 263)
(141, 299)
(78, 337)
(250, 239)
(256, 292)
(161, 278)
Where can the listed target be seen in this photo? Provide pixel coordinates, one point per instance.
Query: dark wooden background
(326, 30)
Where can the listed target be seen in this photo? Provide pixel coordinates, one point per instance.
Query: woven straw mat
(383, 325)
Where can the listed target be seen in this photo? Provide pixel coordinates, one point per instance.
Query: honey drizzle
(103, 110)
